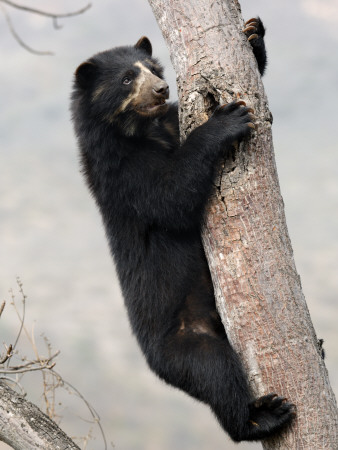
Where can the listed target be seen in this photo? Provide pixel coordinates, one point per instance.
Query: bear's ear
(85, 74)
(144, 44)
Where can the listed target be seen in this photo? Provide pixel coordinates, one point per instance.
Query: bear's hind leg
(207, 368)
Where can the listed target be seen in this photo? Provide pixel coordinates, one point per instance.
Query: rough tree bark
(24, 427)
(258, 290)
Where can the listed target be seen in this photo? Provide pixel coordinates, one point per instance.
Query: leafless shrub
(14, 365)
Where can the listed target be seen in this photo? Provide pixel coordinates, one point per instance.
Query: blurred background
(51, 234)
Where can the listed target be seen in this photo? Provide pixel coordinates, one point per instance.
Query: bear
(152, 191)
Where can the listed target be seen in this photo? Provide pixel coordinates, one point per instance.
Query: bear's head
(123, 86)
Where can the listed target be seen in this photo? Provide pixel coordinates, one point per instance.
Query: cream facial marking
(142, 67)
(137, 87)
(145, 75)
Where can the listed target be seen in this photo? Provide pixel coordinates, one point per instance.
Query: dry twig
(30, 10)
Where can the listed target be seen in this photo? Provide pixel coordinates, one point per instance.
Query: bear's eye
(127, 80)
(154, 71)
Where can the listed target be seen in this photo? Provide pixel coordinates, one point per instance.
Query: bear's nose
(161, 90)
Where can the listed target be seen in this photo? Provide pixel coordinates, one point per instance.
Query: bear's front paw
(254, 30)
(269, 414)
(235, 120)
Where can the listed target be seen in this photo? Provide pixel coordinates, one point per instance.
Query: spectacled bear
(151, 191)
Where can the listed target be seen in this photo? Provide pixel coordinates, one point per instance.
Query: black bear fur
(152, 191)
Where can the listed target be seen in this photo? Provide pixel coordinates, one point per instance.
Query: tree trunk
(258, 290)
(24, 427)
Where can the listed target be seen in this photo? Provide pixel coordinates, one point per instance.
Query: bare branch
(27, 369)
(45, 13)
(8, 354)
(21, 318)
(41, 363)
(55, 24)
(2, 307)
(24, 426)
(18, 38)
(53, 16)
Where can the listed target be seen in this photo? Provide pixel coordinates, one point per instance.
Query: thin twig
(45, 13)
(18, 38)
(22, 319)
(96, 417)
(9, 370)
(8, 354)
(40, 361)
(53, 16)
(2, 307)
(55, 24)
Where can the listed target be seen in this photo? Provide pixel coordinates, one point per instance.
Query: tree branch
(53, 16)
(25, 427)
(45, 13)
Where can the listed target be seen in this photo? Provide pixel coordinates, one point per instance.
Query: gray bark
(24, 427)
(258, 289)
